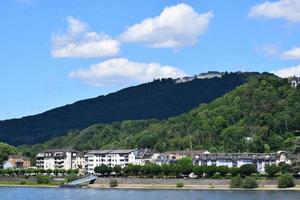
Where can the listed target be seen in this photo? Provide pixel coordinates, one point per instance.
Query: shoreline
(189, 187)
(162, 187)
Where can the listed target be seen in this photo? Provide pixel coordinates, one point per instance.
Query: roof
(185, 152)
(115, 151)
(237, 156)
(59, 150)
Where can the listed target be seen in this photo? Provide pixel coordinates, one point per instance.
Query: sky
(57, 52)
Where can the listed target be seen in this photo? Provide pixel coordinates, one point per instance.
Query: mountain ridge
(164, 97)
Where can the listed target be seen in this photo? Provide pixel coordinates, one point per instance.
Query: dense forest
(261, 115)
(159, 99)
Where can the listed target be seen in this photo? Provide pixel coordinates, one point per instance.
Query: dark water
(16, 193)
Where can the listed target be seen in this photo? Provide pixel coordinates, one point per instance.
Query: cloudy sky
(57, 52)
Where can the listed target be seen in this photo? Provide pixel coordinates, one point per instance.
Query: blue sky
(57, 52)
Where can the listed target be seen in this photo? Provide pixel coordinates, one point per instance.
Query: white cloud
(175, 27)
(268, 49)
(292, 54)
(79, 42)
(121, 70)
(286, 9)
(288, 72)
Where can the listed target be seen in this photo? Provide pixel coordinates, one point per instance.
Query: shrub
(216, 176)
(249, 182)
(209, 170)
(198, 170)
(285, 181)
(113, 183)
(23, 182)
(236, 182)
(41, 179)
(179, 184)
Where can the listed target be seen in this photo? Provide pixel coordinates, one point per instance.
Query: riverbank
(189, 184)
(27, 184)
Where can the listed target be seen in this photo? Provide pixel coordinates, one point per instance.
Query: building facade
(17, 161)
(57, 159)
(259, 160)
(109, 158)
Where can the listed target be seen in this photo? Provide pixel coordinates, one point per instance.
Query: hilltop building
(295, 81)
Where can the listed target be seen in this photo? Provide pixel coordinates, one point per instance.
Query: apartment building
(57, 159)
(109, 158)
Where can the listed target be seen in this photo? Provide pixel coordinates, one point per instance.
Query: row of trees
(34, 171)
(185, 169)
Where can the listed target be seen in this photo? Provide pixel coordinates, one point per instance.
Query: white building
(109, 158)
(260, 160)
(57, 159)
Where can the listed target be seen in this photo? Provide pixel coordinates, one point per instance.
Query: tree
(234, 171)
(5, 151)
(271, 170)
(102, 169)
(198, 170)
(166, 169)
(285, 168)
(247, 170)
(117, 169)
(223, 170)
(209, 170)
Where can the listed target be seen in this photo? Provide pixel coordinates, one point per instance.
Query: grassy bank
(28, 183)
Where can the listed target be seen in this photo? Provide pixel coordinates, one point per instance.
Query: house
(295, 81)
(260, 160)
(57, 159)
(17, 161)
(145, 156)
(111, 158)
(173, 156)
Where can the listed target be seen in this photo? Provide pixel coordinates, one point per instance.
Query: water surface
(23, 193)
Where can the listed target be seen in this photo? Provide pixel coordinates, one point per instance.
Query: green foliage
(285, 181)
(41, 179)
(234, 171)
(223, 170)
(236, 181)
(209, 171)
(103, 170)
(258, 116)
(249, 182)
(247, 170)
(271, 170)
(117, 169)
(179, 184)
(5, 151)
(113, 183)
(159, 99)
(198, 170)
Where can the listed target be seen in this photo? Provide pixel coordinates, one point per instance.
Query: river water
(23, 193)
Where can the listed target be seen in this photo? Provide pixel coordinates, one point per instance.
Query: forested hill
(158, 99)
(262, 115)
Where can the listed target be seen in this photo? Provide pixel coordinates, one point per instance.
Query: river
(24, 193)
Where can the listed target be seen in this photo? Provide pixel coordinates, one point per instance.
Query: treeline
(260, 116)
(184, 168)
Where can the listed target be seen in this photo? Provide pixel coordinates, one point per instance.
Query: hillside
(159, 99)
(262, 115)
